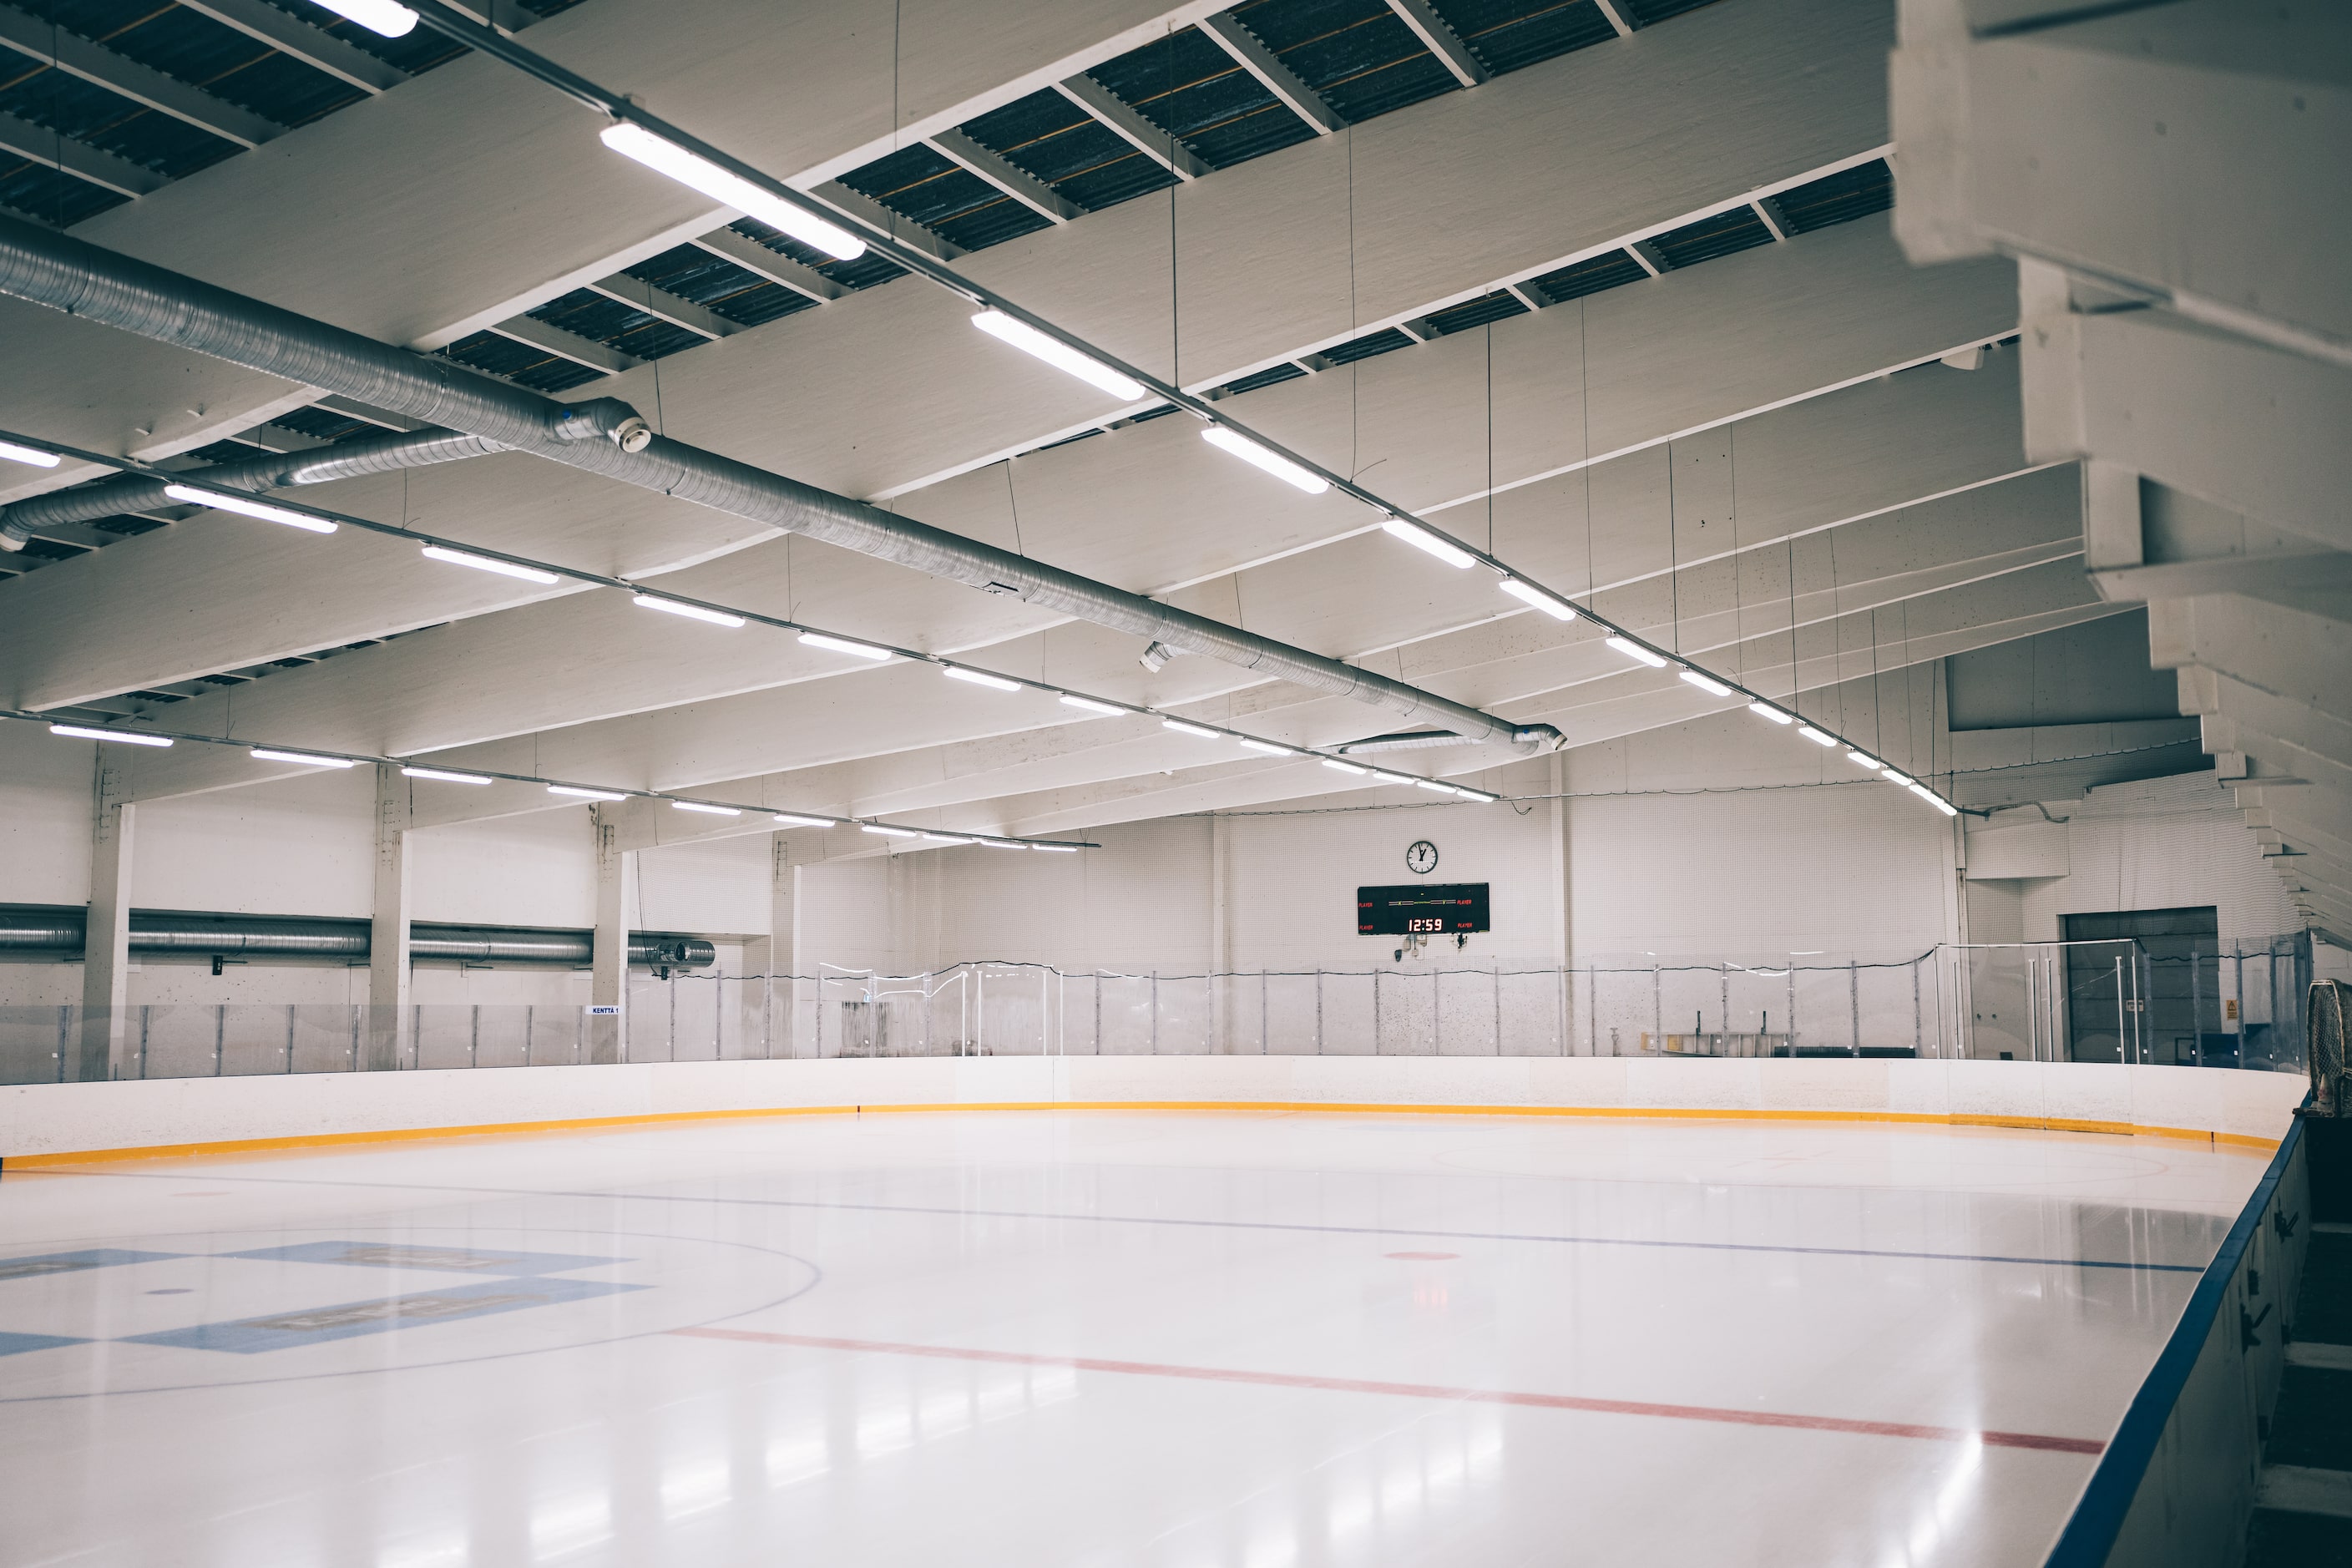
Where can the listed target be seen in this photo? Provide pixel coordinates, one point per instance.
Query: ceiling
(1608, 289)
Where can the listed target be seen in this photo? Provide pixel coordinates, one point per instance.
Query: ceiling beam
(905, 230)
(1278, 78)
(995, 168)
(538, 334)
(1116, 115)
(760, 263)
(314, 46)
(1440, 39)
(77, 57)
(84, 162)
(700, 319)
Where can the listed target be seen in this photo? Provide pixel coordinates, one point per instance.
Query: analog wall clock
(1420, 860)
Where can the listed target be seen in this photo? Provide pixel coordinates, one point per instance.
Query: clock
(1420, 858)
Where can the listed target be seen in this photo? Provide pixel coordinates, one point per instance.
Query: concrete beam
(1441, 40)
(762, 262)
(2243, 425)
(2294, 655)
(993, 168)
(1116, 115)
(2191, 149)
(1229, 34)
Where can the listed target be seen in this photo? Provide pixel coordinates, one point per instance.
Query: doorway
(2143, 986)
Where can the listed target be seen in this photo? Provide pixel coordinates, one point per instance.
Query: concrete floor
(1096, 1339)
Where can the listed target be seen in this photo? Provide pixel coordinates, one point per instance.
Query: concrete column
(1221, 940)
(106, 942)
(616, 901)
(388, 969)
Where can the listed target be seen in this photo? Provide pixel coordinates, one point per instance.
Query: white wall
(2156, 843)
(1730, 836)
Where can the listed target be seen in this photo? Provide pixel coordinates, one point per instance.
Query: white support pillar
(767, 1008)
(616, 900)
(106, 941)
(388, 967)
(1562, 902)
(1221, 937)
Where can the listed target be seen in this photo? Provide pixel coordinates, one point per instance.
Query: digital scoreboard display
(1421, 908)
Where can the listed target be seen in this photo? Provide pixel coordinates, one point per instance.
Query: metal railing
(2238, 1005)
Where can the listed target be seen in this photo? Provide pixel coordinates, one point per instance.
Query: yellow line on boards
(1286, 1107)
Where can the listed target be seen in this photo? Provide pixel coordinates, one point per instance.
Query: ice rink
(1187, 1340)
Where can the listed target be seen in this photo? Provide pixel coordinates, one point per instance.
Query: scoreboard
(1421, 908)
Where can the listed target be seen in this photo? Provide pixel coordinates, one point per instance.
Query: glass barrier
(2237, 1005)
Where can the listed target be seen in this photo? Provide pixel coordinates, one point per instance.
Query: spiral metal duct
(277, 470)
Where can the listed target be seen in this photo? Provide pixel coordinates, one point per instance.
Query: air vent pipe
(606, 436)
(58, 933)
(276, 470)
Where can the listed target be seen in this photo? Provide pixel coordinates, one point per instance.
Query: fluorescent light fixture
(1336, 765)
(1632, 649)
(1932, 798)
(376, 15)
(1269, 748)
(691, 612)
(264, 753)
(950, 839)
(247, 506)
(843, 644)
(889, 831)
(706, 810)
(576, 792)
(1706, 683)
(1433, 784)
(1421, 538)
(16, 454)
(1273, 463)
(1556, 608)
(1766, 709)
(1387, 778)
(1181, 728)
(787, 819)
(1059, 354)
(1863, 758)
(1466, 793)
(1071, 700)
(1903, 779)
(485, 563)
(446, 776)
(980, 678)
(1816, 736)
(1058, 848)
(688, 169)
(1003, 844)
(83, 732)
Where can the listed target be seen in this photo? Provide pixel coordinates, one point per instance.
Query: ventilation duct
(607, 436)
(276, 470)
(58, 934)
